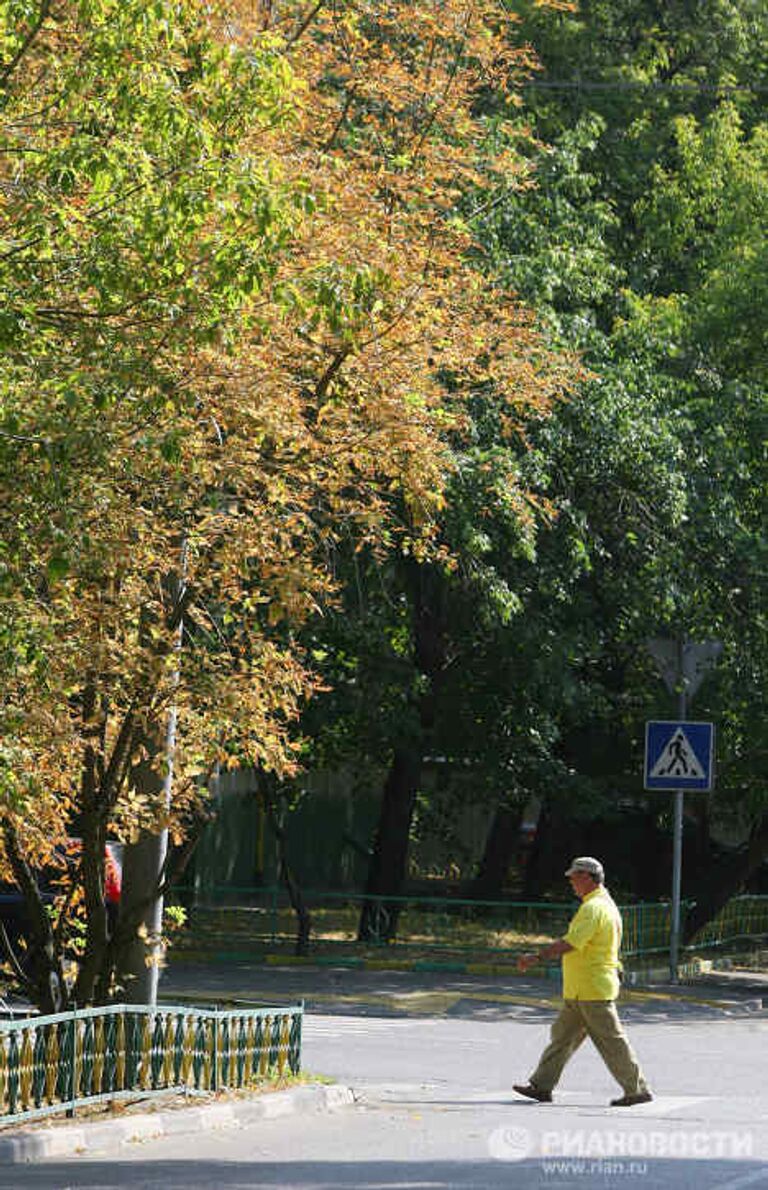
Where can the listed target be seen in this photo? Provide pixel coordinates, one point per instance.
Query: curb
(734, 1007)
(635, 979)
(39, 1144)
(319, 962)
(640, 973)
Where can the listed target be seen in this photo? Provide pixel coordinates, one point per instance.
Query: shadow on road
(372, 1175)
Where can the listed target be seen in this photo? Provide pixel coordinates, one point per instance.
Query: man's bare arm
(553, 951)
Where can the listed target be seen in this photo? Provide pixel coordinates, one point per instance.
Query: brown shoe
(631, 1100)
(532, 1092)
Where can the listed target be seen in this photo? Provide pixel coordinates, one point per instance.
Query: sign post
(679, 755)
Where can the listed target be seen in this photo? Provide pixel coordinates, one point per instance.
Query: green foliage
(636, 230)
(550, 239)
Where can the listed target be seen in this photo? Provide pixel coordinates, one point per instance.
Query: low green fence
(744, 918)
(239, 920)
(123, 1051)
(646, 928)
(235, 920)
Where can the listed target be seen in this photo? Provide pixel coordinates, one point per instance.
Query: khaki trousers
(599, 1020)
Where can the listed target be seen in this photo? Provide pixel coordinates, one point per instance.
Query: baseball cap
(587, 863)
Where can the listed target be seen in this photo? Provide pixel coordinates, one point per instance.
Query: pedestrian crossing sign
(679, 755)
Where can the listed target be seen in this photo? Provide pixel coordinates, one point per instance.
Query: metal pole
(677, 843)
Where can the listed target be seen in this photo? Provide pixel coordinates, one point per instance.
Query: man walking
(590, 960)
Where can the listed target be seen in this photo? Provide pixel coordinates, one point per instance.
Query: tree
(710, 203)
(415, 116)
(678, 163)
(123, 267)
(238, 327)
(631, 224)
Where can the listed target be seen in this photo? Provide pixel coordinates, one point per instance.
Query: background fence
(742, 919)
(236, 922)
(52, 1063)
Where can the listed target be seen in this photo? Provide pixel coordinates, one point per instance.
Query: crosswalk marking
(333, 1026)
(755, 1178)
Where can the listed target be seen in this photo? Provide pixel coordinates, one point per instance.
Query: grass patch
(451, 930)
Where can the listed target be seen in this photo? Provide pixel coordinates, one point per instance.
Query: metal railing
(647, 926)
(744, 918)
(124, 1051)
(261, 917)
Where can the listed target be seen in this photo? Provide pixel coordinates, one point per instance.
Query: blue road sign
(679, 755)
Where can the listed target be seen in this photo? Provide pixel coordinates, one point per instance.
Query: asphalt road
(435, 1109)
(391, 992)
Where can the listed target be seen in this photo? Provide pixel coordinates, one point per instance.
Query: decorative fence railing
(236, 921)
(124, 1051)
(743, 918)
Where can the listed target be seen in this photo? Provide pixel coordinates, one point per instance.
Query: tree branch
(324, 382)
(7, 71)
(18, 970)
(304, 24)
(48, 985)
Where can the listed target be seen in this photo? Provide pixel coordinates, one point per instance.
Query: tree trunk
(386, 874)
(42, 976)
(140, 920)
(501, 845)
(93, 831)
(389, 862)
(718, 884)
(295, 895)
(92, 964)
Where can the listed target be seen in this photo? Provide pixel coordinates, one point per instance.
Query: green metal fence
(239, 921)
(55, 1063)
(646, 928)
(742, 919)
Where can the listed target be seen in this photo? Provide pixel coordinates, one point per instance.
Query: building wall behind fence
(327, 834)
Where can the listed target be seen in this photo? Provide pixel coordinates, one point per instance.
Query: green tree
(677, 160)
(230, 314)
(127, 186)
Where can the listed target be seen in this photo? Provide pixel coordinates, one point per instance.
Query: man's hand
(527, 960)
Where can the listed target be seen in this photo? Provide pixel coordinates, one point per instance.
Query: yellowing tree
(237, 318)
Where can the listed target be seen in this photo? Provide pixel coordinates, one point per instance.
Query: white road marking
(661, 1104)
(757, 1176)
(333, 1026)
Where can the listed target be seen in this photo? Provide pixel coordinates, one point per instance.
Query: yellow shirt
(591, 969)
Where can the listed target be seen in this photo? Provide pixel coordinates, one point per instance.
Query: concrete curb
(61, 1139)
(638, 972)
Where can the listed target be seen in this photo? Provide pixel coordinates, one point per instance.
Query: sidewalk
(44, 1139)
